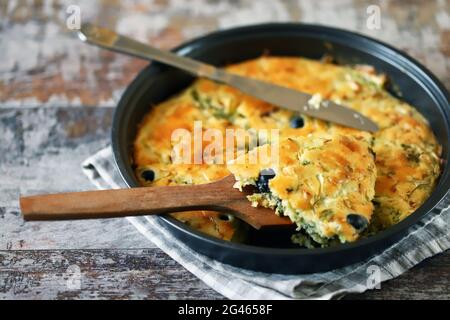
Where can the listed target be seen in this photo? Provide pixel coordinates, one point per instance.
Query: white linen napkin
(429, 237)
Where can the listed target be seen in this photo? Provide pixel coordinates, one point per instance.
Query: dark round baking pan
(268, 251)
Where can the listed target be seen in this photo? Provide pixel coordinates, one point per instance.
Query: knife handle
(111, 40)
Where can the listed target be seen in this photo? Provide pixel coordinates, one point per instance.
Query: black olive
(357, 221)
(263, 180)
(297, 122)
(225, 217)
(148, 175)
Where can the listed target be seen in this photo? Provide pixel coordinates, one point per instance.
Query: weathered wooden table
(57, 97)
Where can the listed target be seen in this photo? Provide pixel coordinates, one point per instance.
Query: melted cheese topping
(407, 153)
(319, 180)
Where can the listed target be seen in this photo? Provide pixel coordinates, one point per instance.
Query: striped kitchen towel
(429, 237)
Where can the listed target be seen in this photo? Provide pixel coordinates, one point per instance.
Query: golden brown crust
(407, 153)
(319, 180)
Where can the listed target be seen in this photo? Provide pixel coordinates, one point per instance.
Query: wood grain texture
(97, 274)
(150, 274)
(43, 63)
(51, 86)
(41, 150)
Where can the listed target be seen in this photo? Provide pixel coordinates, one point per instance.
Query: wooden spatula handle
(217, 196)
(127, 202)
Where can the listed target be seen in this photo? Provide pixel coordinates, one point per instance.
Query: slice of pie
(323, 183)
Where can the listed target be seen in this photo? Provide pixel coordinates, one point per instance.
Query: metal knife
(277, 95)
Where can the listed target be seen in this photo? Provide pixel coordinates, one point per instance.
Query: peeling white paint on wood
(38, 49)
(41, 151)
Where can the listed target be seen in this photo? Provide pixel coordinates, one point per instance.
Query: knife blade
(311, 105)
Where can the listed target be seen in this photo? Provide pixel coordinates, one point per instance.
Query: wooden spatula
(216, 196)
